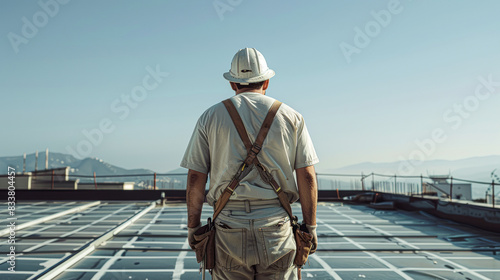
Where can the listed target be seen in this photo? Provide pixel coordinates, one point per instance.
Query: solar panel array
(355, 242)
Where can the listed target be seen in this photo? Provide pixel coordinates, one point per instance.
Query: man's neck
(263, 92)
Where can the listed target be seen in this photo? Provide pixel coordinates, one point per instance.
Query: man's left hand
(312, 231)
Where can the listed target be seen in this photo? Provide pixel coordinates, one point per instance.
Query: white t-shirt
(216, 149)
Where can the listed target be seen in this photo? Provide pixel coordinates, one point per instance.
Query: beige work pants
(254, 248)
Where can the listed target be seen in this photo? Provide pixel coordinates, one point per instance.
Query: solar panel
(148, 242)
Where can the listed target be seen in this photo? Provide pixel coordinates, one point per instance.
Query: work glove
(191, 232)
(312, 231)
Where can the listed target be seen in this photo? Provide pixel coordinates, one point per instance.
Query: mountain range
(87, 167)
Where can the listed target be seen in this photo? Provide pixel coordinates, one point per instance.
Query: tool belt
(205, 236)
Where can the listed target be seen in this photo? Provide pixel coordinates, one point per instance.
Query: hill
(87, 167)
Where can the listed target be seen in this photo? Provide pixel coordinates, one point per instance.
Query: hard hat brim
(266, 76)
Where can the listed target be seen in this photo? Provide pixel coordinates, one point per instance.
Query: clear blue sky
(66, 68)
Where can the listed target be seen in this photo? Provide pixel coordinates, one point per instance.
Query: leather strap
(264, 129)
(224, 198)
(268, 178)
(253, 150)
(238, 123)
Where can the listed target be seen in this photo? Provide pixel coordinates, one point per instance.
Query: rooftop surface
(149, 242)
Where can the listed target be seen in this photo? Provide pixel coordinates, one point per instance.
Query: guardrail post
(362, 181)
(395, 183)
(95, 182)
(493, 193)
(451, 189)
(421, 185)
(154, 184)
(52, 187)
(373, 182)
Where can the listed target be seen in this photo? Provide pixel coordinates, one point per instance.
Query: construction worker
(254, 237)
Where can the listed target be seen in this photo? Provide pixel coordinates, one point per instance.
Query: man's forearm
(308, 193)
(195, 196)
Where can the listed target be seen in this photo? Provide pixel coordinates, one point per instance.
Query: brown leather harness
(251, 159)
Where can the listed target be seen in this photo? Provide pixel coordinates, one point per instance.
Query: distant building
(441, 186)
(58, 179)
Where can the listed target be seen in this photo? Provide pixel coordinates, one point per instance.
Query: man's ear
(233, 86)
(265, 85)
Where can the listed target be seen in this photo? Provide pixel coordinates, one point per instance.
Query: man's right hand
(308, 193)
(191, 232)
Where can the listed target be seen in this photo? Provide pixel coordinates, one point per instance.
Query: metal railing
(405, 185)
(396, 184)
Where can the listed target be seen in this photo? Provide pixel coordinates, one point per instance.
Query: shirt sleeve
(197, 155)
(305, 154)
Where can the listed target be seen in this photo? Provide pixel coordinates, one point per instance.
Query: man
(254, 237)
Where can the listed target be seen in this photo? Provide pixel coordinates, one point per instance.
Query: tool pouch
(303, 239)
(204, 245)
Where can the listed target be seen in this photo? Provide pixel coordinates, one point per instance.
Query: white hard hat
(248, 66)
